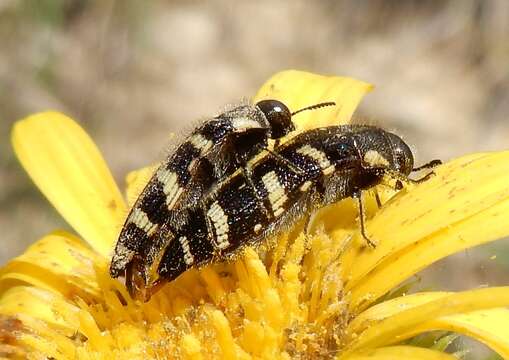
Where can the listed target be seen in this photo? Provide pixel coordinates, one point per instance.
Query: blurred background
(132, 72)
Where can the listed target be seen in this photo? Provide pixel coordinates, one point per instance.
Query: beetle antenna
(316, 106)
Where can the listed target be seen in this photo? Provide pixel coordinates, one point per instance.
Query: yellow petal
(403, 323)
(38, 304)
(488, 326)
(391, 307)
(40, 340)
(59, 262)
(430, 221)
(69, 170)
(136, 181)
(299, 89)
(399, 352)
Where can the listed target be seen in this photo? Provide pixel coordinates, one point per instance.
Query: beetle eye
(278, 116)
(344, 149)
(339, 151)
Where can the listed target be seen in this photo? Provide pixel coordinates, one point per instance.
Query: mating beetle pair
(211, 197)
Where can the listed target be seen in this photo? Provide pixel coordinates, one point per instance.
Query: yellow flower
(315, 297)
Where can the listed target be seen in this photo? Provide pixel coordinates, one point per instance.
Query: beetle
(214, 150)
(314, 169)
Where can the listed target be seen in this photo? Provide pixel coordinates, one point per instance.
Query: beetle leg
(422, 179)
(404, 179)
(428, 165)
(358, 195)
(377, 198)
